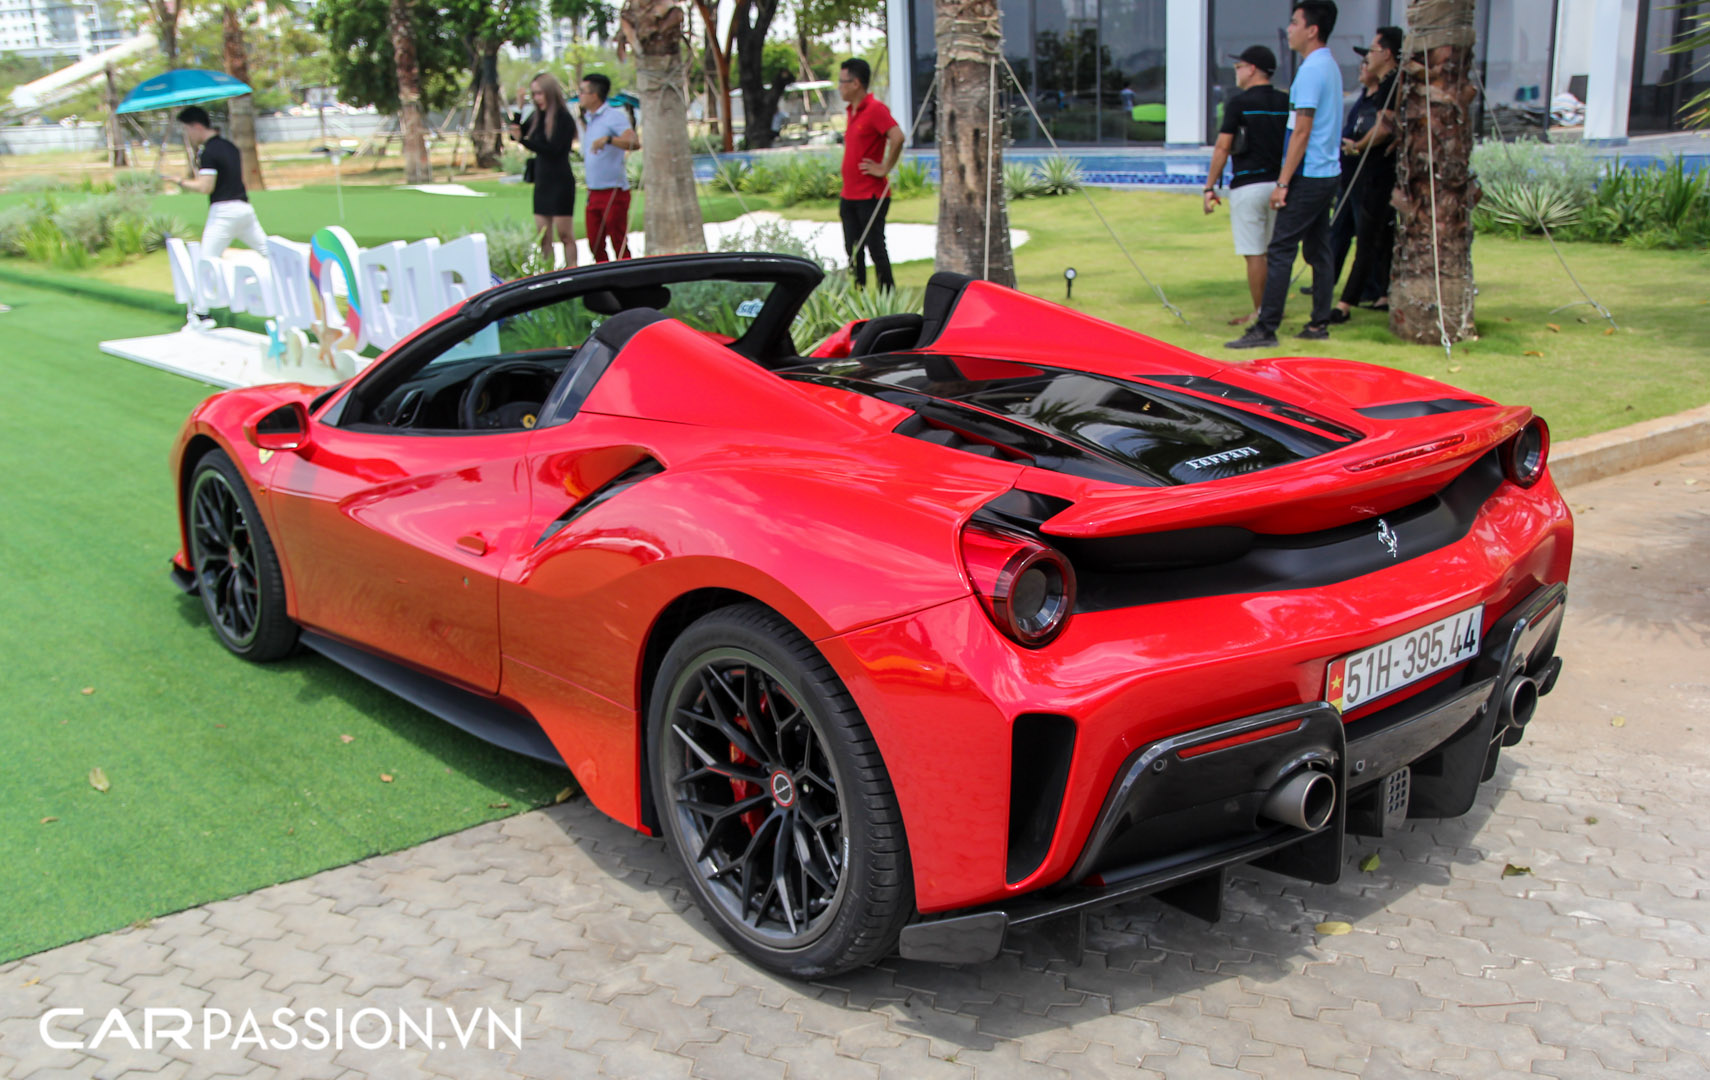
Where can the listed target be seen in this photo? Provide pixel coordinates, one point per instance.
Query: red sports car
(965, 624)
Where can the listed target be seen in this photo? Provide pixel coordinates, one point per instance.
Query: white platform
(222, 356)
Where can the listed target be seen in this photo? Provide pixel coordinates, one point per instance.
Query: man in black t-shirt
(1253, 134)
(219, 175)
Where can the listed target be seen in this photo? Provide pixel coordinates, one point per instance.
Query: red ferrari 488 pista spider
(965, 624)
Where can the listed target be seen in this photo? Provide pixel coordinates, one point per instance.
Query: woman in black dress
(550, 132)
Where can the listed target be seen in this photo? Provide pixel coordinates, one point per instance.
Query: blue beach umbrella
(190, 86)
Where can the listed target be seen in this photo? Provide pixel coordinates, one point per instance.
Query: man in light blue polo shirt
(1306, 189)
(606, 136)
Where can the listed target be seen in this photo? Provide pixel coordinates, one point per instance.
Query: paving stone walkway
(1593, 963)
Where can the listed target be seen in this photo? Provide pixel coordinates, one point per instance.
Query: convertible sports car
(963, 625)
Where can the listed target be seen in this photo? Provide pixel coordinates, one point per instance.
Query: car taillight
(1524, 455)
(1027, 587)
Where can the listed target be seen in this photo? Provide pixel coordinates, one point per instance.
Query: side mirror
(285, 428)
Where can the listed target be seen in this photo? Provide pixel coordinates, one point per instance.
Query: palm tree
(973, 218)
(417, 168)
(1694, 36)
(673, 216)
(1431, 286)
(242, 108)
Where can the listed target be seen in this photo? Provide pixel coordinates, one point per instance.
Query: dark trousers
(1368, 280)
(856, 214)
(1303, 225)
(1346, 223)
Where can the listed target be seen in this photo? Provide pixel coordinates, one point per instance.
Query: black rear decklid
(1128, 431)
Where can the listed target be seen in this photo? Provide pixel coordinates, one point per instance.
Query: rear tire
(753, 740)
(237, 572)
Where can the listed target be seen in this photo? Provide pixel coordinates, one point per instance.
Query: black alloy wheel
(772, 794)
(237, 573)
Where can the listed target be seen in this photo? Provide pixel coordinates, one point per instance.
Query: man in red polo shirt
(871, 145)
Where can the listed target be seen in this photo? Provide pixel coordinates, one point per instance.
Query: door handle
(474, 543)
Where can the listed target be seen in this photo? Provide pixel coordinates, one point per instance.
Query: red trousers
(607, 218)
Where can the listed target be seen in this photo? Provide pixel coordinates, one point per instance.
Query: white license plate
(1371, 673)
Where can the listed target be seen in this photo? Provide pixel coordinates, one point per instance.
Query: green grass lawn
(376, 215)
(225, 776)
(1585, 381)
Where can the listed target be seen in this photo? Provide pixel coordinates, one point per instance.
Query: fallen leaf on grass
(347, 738)
(1533, 352)
(1333, 928)
(49, 820)
(142, 924)
(1370, 863)
(1591, 819)
(1608, 330)
(1554, 329)
(385, 778)
(1619, 721)
(219, 725)
(498, 806)
(98, 779)
(564, 796)
(1454, 368)
(1510, 870)
(87, 690)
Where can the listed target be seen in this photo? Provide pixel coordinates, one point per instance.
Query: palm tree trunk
(488, 122)
(417, 168)
(242, 108)
(1435, 191)
(973, 218)
(673, 211)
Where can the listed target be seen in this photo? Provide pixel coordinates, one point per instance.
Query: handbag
(528, 171)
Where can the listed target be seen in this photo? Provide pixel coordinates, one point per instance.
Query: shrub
(159, 228)
(731, 174)
(513, 247)
(513, 160)
(838, 301)
(774, 236)
(1058, 175)
(759, 178)
(138, 180)
(37, 185)
(1525, 207)
(17, 223)
(804, 177)
(1019, 182)
(632, 169)
(911, 178)
(85, 222)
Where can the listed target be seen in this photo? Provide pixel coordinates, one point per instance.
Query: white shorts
(231, 220)
(1251, 218)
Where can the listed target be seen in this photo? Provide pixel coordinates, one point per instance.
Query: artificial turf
(223, 776)
(375, 215)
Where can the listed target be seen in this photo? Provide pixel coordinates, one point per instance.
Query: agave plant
(159, 228)
(1019, 182)
(1059, 175)
(1532, 207)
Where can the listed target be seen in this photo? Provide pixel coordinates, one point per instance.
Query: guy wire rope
(1508, 152)
(1171, 308)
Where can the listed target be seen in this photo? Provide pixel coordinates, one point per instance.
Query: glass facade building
(1095, 71)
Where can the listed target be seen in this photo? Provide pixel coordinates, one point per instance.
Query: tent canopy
(189, 86)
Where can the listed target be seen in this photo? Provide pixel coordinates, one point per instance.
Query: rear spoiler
(1393, 467)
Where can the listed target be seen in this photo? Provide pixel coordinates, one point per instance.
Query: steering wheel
(469, 414)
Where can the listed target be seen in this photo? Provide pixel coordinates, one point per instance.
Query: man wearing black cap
(1254, 133)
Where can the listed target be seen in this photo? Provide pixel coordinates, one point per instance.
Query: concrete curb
(1593, 457)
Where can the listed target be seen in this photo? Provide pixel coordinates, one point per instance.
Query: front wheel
(772, 794)
(237, 572)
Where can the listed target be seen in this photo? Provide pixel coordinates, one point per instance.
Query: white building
(58, 28)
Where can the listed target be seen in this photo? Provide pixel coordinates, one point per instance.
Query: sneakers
(1337, 315)
(1253, 339)
(1314, 332)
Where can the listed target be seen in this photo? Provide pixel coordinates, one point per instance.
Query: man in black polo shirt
(219, 175)
(1254, 132)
